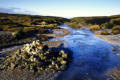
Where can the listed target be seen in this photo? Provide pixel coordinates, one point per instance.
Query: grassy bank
(106, 24)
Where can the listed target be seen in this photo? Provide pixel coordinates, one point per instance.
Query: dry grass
(95, 28)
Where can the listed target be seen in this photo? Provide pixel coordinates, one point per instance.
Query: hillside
(18, 28)
(109, 23)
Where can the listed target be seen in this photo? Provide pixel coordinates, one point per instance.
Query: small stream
(92, 56)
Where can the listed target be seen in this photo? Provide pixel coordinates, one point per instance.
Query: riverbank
(56, 33)
(114, 40)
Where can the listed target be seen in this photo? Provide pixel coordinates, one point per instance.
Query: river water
(92, 56)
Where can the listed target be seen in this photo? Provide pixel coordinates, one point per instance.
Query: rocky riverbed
(92, 56)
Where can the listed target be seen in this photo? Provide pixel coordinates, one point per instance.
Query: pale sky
(64, 8)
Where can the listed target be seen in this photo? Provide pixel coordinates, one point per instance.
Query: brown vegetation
(95, 28)
(23, 27)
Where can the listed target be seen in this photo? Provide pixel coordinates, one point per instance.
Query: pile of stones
(34, 57)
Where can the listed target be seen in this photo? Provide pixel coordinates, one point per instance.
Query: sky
(62, 8)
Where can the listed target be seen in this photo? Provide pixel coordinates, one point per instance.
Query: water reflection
(92, 56)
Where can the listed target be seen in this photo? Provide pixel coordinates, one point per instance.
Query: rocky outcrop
(36, 56)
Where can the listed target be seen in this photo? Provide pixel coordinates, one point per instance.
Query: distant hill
(95, 19)
(27, 20)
